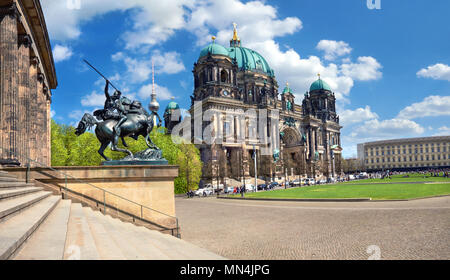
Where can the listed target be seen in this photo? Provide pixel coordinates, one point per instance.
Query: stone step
(196, 252)
(13, 205)
(133, 248)
(7, 175)
(14, 185)
(180, 248)
(10, 193)
(48, 241)
(16, 230)
(166, 247)
(80, 244)
(10, 179)
(106, 247)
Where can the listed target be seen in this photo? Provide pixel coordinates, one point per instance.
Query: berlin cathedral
(304, 138)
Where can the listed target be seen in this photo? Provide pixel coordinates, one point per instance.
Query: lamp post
(256, 170)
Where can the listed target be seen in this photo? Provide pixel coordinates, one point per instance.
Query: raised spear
(87, 62)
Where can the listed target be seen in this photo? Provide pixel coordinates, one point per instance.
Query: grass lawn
(440, 186)
(416, 177)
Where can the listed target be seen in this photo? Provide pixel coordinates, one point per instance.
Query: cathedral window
(223, 76)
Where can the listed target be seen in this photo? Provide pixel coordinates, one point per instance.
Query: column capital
(10, 10)
(40, 77)
(25, 40)
(34, 60)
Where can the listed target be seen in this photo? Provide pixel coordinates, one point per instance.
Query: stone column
(48, 139)
(9, 103)
(23, 95)
(32, 110)
(41, 127)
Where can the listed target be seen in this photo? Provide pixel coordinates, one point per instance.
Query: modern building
(232, 86)
(406, 154)
(27, 75)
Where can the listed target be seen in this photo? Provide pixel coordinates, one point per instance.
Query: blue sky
(389, 67)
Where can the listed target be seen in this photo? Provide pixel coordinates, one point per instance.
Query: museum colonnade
(24, 92)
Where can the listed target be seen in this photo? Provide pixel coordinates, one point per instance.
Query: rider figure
(115, 108)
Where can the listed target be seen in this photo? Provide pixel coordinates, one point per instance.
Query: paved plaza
(417, 229)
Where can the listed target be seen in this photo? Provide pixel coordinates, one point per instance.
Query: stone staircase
(37, 225)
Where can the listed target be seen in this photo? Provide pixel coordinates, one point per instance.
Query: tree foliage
(71, 150)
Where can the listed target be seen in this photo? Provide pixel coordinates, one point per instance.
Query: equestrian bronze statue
(118, 119)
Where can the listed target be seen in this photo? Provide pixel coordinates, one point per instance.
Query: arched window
(223, 76)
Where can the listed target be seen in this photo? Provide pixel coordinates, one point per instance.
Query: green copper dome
(172, 105)
(250, 60)
(214, 49)
(319, 85)
(287, 89)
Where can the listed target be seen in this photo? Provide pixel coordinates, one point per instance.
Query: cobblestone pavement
(417, 229)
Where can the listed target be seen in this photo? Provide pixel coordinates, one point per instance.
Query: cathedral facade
(237, 94)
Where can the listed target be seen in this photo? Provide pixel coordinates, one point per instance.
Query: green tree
(59, 150)
(71, 150)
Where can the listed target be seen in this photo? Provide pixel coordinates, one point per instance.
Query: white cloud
(140, 69)
(61, 53)
(438, 71)
(349, 117)
(152, 21)
(52, 113)
(333, 49)
(77, 114)
(162, 93)
(94, 99)
(431, 106)
(366, 69)
(169, 62)
(256, 21)
(375, 129)
(442, 131)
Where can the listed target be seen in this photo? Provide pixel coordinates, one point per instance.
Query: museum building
(405, 154)
(27, 75)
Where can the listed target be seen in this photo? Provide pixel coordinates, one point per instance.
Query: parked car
(331, 180)
(296, 183)
(215, 188)
(262, 187)
(230, 189)
(204, 192)
(310, 181)
(273, 185)
(249, 188)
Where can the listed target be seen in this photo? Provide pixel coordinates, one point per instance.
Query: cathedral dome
(172, 106)
(250, 60)
(287, 89)
(214, 49)
(320, 85)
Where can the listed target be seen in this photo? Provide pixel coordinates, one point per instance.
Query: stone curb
(331, 199)
(411, 199)
(302, 199)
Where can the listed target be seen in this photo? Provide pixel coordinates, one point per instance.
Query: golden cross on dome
(287, 84)
(318, 75)
(235, 36)
(213, 38)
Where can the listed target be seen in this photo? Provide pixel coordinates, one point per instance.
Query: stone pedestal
(117, 186)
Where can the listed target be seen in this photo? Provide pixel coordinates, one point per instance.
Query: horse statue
(139, 122)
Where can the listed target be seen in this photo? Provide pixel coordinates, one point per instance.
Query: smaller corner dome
(172, 105)
(214, 49)
(287, 89)
(320, 85)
